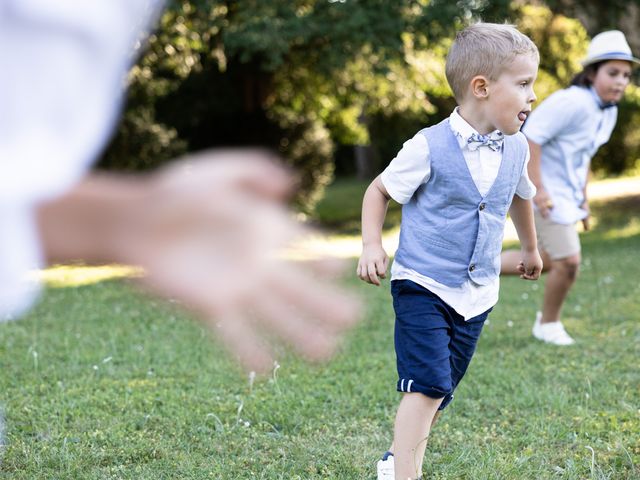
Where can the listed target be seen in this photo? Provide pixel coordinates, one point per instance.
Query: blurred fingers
(243, 342)
(257, 171)
(326, 268)
(318, 300)
(544, 205)
(544, 211)
(312, 340)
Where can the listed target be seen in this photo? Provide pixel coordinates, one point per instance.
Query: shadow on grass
(615, 218)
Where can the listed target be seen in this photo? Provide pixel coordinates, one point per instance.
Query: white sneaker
(386, 469)
(551, 332)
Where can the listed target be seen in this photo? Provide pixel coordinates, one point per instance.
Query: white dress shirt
(410, 169)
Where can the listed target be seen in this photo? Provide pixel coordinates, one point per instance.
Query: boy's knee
(570, 265)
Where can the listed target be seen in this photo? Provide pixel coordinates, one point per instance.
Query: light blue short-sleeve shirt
(570, 126)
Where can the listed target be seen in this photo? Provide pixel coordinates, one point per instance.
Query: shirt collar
(462, 129)
(602, 105)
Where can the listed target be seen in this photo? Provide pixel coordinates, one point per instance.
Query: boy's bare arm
(586, 221)
(542, 200)
(373, 261)
(521, 212)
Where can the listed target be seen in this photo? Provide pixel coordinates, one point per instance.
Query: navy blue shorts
(434, 344)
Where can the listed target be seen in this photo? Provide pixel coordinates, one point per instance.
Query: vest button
(481, 207)
(472, 267)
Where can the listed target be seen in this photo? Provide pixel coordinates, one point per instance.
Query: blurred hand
(543, 202)
(210, 234)
(586, 221)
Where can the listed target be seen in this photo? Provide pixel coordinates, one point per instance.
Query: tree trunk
(364, 162)
(364, 155)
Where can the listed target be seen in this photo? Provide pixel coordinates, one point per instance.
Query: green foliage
(563, 43)
(622, 152)
(602, 14)
(304, 77)
(296, 76)
(142, 143)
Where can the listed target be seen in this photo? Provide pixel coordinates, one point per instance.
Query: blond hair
(484, 49)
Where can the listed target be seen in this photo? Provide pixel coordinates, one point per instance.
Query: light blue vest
(449, 232)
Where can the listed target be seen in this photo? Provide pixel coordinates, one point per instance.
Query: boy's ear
(479, 85)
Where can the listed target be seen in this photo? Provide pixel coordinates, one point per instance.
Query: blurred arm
(209, 232)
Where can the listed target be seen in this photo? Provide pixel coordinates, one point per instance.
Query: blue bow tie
(604, 106)
(493, 141)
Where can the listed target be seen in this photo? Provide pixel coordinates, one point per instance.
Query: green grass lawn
(99, 382)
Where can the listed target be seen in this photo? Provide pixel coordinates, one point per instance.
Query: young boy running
(456, 181)
(564, 133)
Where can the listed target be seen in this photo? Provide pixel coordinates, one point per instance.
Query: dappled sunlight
(340, 246)
(61, 276)
(350, 246)
(317, 246)
(629, 230)
(613, 188)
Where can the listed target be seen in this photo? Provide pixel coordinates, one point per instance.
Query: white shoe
(386, 469)
(551, 332)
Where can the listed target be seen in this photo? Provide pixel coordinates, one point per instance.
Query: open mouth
(522, 116)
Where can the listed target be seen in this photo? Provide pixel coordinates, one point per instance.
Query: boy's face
(509, 97)
(611, 80)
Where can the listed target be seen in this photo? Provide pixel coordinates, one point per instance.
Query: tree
(296, 75)
(305, 76)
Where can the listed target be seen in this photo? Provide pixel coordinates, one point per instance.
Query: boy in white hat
(564, 133)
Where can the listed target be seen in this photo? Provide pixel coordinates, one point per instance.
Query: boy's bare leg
(433, 422)
(562, 276)
(510, 259)
(509, 262)
(415, 416)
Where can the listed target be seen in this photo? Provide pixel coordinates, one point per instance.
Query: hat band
(607, 54)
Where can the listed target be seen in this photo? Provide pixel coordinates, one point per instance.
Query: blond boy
(456, 181)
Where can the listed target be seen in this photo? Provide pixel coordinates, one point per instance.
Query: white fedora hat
(610, 45)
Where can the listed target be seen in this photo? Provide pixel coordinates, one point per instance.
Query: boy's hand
(586, 221)
(531, 265)
(372, 264)
(543, 202)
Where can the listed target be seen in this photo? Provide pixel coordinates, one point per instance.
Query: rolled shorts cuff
(409, 386)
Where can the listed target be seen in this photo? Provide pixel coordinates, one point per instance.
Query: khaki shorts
(557, 240)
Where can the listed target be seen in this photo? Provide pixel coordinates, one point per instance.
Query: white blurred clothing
(63, 66)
